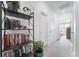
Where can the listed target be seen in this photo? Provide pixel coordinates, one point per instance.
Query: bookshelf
(30, 42)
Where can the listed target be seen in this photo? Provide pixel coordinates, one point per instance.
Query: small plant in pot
(13, 5)
(38, 49)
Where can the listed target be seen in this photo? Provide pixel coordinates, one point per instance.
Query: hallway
(60, 48)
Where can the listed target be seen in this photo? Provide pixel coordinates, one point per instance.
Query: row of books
(17, 52)
(14, 24)
(11, 24)
(11, 40)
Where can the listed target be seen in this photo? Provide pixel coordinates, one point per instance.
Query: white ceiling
(59, 5)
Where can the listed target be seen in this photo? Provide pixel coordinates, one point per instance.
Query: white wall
(53, 28)
(77, 28)
(43, 16)
(44, 24)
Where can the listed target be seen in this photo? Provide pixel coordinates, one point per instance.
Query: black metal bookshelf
(22, 16)
(16, 29)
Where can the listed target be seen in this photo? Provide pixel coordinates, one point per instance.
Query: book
(11, 53)
(10, 40)
(27, 49)
(20, 52)
(16, 39)
(6, 40)
(19, 38)
(16, 52)
(23, 39)
(27, 37)
(13, 39)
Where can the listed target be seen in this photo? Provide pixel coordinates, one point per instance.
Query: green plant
(16, 3)
(38, 46)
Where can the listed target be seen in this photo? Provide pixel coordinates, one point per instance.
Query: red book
(6, 40)
(23, 38)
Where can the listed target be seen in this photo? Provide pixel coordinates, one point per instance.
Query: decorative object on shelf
(27, 10)
(38, 48)
(13, 5)
(26, 27)
(29, 27)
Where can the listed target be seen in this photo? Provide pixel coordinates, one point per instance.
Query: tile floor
(60, 48)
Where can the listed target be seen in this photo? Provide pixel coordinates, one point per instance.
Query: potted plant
(38, 49)
(13, 5)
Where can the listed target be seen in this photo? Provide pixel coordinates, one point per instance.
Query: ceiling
(55, 5)
(60, 6)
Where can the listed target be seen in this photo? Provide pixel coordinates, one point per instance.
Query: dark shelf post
(0, 29)
(33, 33)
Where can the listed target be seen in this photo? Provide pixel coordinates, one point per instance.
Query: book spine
(13, 39)
(10, 40)
(29, 47)
(23, 49)
(27, 37)
(27, 50)
(6, 41)
(19, 38)
(12, 53)
(16, 39)
(20, 52)
(23, 38)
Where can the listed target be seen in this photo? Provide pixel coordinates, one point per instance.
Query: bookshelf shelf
(16, 14)
(16, 29)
